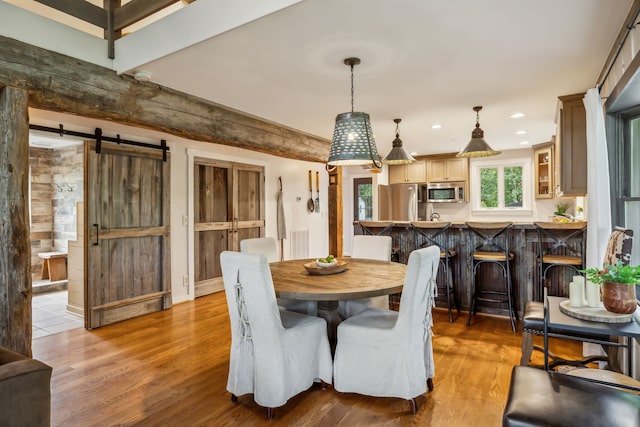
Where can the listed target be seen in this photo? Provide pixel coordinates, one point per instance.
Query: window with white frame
(501, 185)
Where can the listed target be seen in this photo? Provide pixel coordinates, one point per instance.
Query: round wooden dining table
(361, 278)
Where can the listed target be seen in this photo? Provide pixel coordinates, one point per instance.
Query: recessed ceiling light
(521, 132)
(517, 115)
(414, 153)
(524, 142)
(436, 126)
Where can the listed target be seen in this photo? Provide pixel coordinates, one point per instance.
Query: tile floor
(50, 315)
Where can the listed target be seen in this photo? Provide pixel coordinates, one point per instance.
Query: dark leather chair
(25, 391)
(541, 398)
(427, 233)
(491, 247)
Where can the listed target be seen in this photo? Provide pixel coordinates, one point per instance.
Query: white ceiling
(425, 61)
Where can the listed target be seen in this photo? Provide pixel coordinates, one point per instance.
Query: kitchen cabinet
(450, 169)
(411, 172)
(571, 140)
(543, 163)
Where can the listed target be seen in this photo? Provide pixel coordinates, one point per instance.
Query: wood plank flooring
(170, 369)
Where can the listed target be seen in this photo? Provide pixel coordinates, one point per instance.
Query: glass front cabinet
(543, 163)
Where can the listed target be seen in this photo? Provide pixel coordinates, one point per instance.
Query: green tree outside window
(489, 187)
(501, 187)
(513, 186)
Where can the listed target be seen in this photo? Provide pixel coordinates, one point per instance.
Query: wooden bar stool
(560, 244)
(493, 248)
(427, 233)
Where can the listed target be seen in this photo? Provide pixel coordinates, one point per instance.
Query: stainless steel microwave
(446, 192)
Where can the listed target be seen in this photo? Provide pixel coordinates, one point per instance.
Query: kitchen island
(524, 270)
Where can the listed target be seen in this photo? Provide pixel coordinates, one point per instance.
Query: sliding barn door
(127, 237)
(229, 207)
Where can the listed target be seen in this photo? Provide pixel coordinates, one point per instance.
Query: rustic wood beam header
(63, 84)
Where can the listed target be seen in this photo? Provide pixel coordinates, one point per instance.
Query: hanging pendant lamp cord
(352, 88)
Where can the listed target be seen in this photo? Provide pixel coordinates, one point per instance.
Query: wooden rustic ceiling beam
(81, 9)
(137, 10)
(63, 84)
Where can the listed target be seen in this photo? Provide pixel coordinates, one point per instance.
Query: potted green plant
(561, 211)
(618, 286)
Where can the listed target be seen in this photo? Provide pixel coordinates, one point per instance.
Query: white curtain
(598, 200)
(599, 203)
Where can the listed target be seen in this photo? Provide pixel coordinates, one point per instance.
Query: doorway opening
(56, 188)
(362, 199)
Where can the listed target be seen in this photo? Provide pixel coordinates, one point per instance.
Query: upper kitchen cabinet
(543, 163)
(410, 173)
(448, 169)
(571, 141)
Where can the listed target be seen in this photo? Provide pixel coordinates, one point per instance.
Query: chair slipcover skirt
(387, 353)
(274, 354)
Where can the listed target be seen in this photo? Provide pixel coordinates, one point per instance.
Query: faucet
(435, 216)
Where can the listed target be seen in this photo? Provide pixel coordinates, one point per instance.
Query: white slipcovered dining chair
(386, 353)
(267, 246)
(367, 247)
(274, 354)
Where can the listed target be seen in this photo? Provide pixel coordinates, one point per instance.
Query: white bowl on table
(326, 264)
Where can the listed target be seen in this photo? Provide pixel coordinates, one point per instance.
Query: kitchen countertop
(524, 224)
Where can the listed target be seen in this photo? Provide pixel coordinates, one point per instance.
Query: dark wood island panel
(524, 272)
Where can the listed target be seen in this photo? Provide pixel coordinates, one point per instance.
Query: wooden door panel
(135, 263)
(213, 222)
(128, 246)
(212, 193)
(248, 233)
(210, 243)
(248, 185)
(249, 208)
(229, 207)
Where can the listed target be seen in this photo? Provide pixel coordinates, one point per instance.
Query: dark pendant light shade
(477, 147)
(397, 155)
(353, 142)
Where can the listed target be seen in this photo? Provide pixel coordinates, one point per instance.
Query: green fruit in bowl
(327, 260)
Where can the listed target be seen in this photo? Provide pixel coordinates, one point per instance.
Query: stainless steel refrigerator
(399, 202)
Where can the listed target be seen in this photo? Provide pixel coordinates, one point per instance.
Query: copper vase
(619, 298)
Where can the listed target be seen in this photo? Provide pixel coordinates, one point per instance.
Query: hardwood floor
(170, 369)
